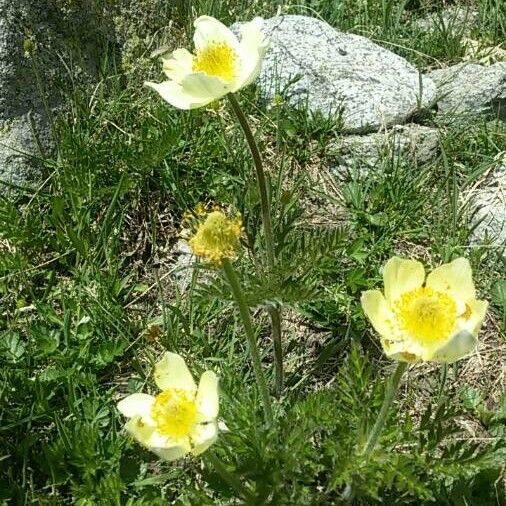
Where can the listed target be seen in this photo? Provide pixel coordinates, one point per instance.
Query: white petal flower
(181, 419)
(221, 64)
(433, 321)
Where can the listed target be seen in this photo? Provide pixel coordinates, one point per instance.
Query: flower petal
(204, 436)
(401, 275)
(252, 35)
(140, 430)
(203, 87)
(165, 447)
(404, 356)
(378, 311)
(172, 372)
(458, 346)
(210, 30)
(454, 278)
(177, 96)
(168, 448)
(136, 405)
(172, 453)
(474, 321)
(178, 65)
(401, 349)
(207, 397)
(252, 50)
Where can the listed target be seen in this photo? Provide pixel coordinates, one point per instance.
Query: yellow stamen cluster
(175, 412)
(216, 59)
(217, 238)
(427, 315)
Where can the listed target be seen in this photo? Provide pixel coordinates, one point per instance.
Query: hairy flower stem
(232, 480)
(261, 179)
(275, 315)
(250, 334)
(269, 236)
(392, 387)
(442, 384)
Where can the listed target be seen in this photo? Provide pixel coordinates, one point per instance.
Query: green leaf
(498, 293)
(11, 346)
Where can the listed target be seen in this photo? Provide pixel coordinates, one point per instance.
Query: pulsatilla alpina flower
(179, 420)
(217, 237)
(431, 319)
(221, 64)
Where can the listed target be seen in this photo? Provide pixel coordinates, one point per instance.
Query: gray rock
(456, 20)
(310, 62)
(488, 203)
(468, 88)
(183, 265)
(419, 144)
(24, 140)
(45, 48)
(141, 27)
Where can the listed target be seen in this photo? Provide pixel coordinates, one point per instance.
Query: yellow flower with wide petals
(221, 64)
(434, 318)
(217, 237)
(179, 420)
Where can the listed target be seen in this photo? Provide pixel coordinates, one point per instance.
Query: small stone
(183, 265)
(419, 144)
(488, 203)
(454, 20)
(468, 88)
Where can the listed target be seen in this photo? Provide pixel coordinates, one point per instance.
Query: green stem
(275, 316)
(232, 480)
(392, 387)
(269, 236)
(348, 494)
(442, 384)
(250, 334)
(261, 179)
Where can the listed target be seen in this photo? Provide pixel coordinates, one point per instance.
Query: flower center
(217, 238)
(216, 59)
(427, 315)
(174, 412)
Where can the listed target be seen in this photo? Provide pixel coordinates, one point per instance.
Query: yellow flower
(221, 64)
(434, 319)
(179, 420)
(217, 238)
